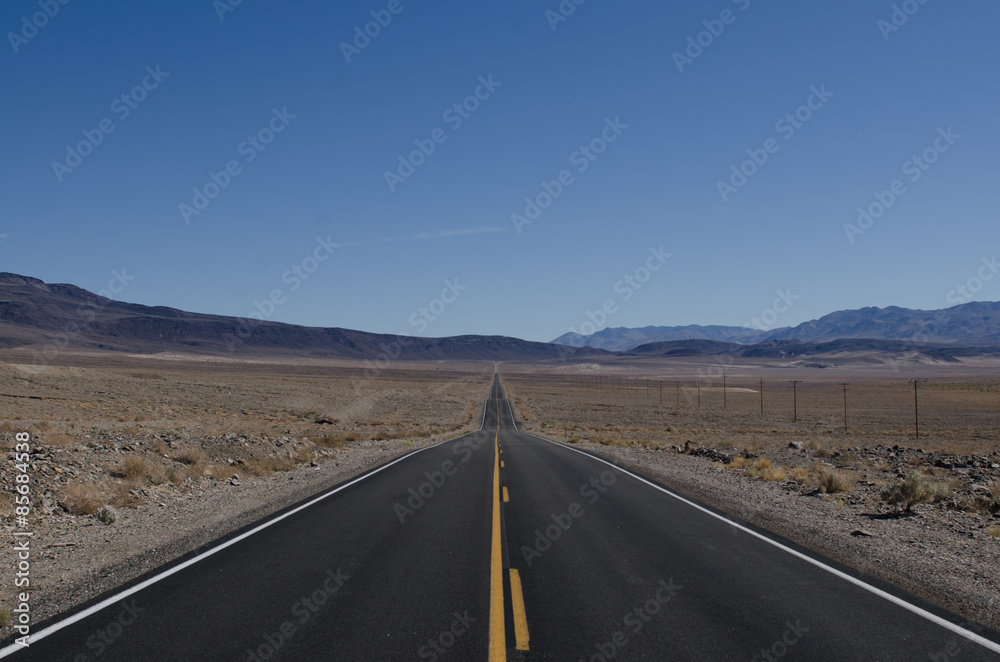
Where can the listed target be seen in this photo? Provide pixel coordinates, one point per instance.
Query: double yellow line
(498, 633)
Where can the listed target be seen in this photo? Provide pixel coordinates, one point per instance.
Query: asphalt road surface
(502, 546)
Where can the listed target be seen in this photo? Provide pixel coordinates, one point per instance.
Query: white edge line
(107, 602)
(948, 625)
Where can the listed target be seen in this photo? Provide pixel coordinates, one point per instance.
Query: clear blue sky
(323, 175)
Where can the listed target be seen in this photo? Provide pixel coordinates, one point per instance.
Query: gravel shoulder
(937, 554)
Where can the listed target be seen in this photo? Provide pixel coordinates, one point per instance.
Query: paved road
(500, 545)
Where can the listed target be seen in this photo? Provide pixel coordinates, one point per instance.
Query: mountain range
(974, 323)
(49, 318)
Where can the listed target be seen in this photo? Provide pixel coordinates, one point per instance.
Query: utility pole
(795, 399)
(844, 384)
(762, 397)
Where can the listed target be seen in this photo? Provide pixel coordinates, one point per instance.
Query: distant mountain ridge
(974, 323)
(49, 318)
(620, 339)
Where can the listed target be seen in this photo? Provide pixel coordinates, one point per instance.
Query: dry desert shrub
(764, 470)
(82, 498)
(221, 472)
(912, 490)
(107, 514)
(832, 481)
(739, 462)
(800, 475)
(134, 469)
(993, 531)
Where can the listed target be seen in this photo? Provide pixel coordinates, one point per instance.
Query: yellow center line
(501, 464)
(498, 634)
(520, 616)
(506, 496)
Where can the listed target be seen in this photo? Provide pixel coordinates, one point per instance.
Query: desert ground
(137, 460)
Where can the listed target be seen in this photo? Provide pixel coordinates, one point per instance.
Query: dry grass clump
(137, 470)
(832, 481)
(912, 490)
(993, 531)
(221, 472)
(133, 468)
(739, 462)
(764, 470)
(194, 459)
(82, 498)
(800, 475)
(818, 446)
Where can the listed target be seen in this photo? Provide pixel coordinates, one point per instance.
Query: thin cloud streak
(443, 234)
